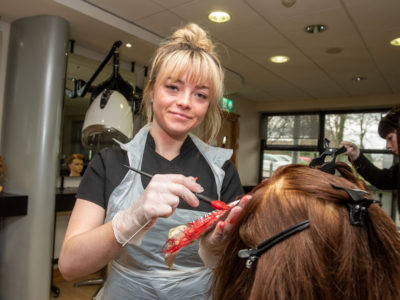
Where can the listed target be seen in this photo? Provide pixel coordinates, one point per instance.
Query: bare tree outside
(364, 123)
(334, 128)
(292, 129)
(360, 128)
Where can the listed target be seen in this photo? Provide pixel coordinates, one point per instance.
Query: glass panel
(380, 160)
(291, 130)
(359, 128)
(385, 196)
(386, 200)
(274, 159)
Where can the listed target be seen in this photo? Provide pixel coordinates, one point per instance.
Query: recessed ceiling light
(128, 45)
(359, 78)
(288, 3)
(219, 16)
(334, 50)
(315, 28)
(395, 42)
(279, 59)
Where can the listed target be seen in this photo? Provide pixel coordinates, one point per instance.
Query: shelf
(65, 199)
(13, 205)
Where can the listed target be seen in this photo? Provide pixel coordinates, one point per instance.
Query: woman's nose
(184, 99)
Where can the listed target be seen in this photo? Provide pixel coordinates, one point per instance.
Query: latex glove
(219, 233)
(352, 151)
(159, 199)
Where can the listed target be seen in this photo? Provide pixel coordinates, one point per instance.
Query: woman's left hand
(219, 233)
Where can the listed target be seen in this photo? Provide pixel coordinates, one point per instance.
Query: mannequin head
(75, 164)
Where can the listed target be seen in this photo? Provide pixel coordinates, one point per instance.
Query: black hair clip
(357, 206)
(254, 253)
(328, 167)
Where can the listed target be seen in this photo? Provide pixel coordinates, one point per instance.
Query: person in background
(385, 179)
(302, 236)
(124, 217)
(75, 164)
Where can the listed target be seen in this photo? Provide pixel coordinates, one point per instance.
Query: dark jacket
(384, 179)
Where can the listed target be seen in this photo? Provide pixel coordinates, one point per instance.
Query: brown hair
(74, 156)
(190, 50)
(330, 260)
(389, 123)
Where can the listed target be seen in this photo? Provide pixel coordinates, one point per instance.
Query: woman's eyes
(202, 96)
(175, 88)
(172, 87)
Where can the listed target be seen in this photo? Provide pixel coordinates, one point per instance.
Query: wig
(74, 156)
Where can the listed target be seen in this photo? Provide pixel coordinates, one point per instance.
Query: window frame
(319, 147)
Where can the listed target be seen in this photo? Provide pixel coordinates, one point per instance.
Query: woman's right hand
(352, 151)
(159, 200)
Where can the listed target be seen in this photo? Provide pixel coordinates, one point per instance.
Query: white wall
(249, 142)
(355, 102)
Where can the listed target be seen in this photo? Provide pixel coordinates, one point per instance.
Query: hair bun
(194, 35)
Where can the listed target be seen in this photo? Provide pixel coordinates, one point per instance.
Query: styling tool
(216, 204)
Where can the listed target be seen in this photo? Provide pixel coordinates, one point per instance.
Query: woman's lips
(181, 115)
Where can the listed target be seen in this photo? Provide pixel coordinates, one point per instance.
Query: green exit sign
(226, 104)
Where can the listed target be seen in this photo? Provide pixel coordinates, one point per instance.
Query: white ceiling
(258, 29)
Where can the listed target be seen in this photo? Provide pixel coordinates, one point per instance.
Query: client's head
(330, 259)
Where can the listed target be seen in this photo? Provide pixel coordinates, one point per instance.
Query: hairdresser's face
(179, 106)
(391, 142)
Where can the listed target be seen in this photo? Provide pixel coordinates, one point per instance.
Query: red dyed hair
(330, 260)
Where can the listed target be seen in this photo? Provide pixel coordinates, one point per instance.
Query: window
(360, 128)
(292, 130)
(299, 137)
(274, 159)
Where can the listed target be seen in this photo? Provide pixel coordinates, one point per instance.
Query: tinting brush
(216, 204)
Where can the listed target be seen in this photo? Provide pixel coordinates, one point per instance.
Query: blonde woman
(124, 217)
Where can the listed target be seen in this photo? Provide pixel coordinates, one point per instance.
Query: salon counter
(65, 199)
(13, 204)
(17, 205)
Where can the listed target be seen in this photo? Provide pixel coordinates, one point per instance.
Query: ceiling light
(279, 59)
(395, 42)
(359, 78)
(288, 3)
(334, 50)
(219, 16)
(315, 28)
(128, 45)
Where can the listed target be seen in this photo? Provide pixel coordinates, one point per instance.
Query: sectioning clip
(254, 253)
(328, 167)
(357, 205)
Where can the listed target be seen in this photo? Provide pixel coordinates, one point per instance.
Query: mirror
(74, 110)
